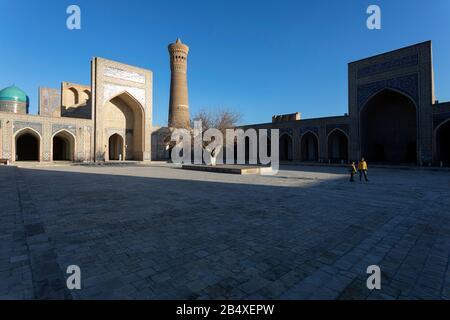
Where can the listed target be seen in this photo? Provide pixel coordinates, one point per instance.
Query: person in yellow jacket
(352, 171)
(362, 168)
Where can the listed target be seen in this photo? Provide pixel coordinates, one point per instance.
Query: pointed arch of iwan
(388, 128)
(124, 113)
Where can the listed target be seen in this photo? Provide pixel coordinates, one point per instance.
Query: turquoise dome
(13, 93)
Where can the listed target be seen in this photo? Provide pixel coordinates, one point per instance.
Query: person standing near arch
(362, 168)
(352, 171)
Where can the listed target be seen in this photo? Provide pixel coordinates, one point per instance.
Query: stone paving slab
(159, 232)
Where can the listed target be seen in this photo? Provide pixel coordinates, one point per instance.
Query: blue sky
(258, 57)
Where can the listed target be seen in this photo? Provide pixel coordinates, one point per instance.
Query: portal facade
(110, 119)
(393, 116)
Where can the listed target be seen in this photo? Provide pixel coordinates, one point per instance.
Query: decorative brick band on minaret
(179, 102)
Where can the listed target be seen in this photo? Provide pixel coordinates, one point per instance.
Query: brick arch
(75, 96)
(286, 147)
(70, 145)
(337, 146)
(388, 128)
(441, 142)
(27, 150)
(309, 146)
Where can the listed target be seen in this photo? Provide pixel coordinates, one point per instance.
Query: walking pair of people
(362, 168)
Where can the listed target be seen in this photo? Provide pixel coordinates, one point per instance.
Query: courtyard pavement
(159, 232)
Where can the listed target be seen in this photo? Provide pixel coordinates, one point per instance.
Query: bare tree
(206, 117)
(221, 119)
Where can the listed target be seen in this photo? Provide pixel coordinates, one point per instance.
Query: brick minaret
(179, 103)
